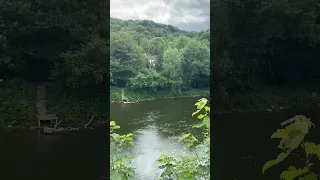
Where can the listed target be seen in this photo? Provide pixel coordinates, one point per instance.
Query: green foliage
(17, 103)
(292, 137)
(195, 62)
(120, 155)
(132, 42)
(126, 58)
(196, 166)
(64, 41)
(44, 30)
(157, 47)
(88, 65)
(150, 80)
(180, 42)
(259, 43)
(75, 110)
(172, 69)
(115, 94)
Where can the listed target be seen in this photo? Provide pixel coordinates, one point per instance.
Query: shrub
(120, 154)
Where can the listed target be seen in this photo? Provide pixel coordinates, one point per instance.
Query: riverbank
(265, 99)
(76, 109)
(19, 128)
(73, 108)
(115, 94)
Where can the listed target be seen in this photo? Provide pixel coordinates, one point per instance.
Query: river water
(241, 144)
(26, 155)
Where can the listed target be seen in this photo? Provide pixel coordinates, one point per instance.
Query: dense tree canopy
(181, 57)
(265, 42)
(65, 40)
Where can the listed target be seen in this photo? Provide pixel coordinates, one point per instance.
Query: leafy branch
(120, 154)
(292, 136)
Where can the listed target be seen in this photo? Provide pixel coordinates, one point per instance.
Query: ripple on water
(148, 118)
(149, 145)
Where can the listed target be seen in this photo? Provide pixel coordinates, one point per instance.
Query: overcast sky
(192, 15)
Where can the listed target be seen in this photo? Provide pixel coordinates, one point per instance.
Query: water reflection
(149, 145)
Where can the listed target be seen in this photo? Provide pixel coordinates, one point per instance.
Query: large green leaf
(112, 123)
(206, 108)
(281, 133)
(310, 148)
(194, 113)
(271, 163)
(294, 142)
(201, 103)
(292, 173)
(184, 137)
(201, 116)
(301, 123)
(310, 177)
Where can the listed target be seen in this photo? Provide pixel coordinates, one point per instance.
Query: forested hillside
(271, 44)
(149, 57)
(61, 44)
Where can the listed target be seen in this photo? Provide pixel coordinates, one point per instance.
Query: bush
(18, 104)
(120, 154)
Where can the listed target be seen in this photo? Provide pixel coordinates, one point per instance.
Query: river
(29, 156)
(241, 144)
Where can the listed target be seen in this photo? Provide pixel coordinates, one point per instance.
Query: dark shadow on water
(79, 155)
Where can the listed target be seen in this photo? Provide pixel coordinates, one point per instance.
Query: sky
(191, 15)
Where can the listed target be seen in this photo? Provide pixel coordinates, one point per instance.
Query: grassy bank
(115, 94)
(266, 99)
(18, 104)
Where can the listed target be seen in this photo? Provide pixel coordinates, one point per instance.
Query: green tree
(127, 58)
(150, 79)
(88, 65)
(157, 47)
(181, 42)
(172, 69)
(195, 62)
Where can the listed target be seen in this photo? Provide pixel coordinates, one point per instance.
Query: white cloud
(186, 14)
